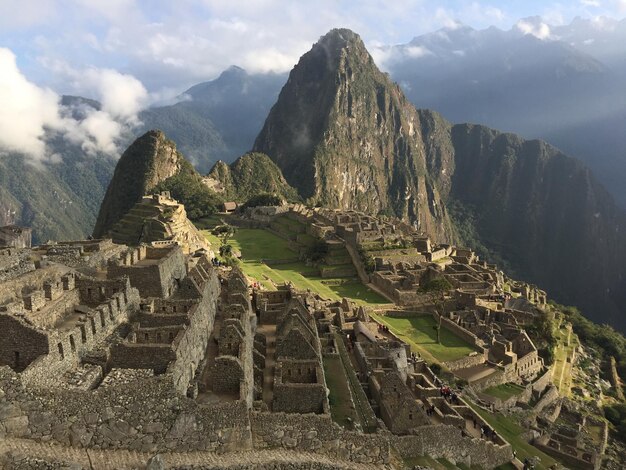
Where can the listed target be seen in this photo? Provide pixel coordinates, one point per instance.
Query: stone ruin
(15, 236)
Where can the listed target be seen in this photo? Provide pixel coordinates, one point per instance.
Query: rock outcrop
(150, 159)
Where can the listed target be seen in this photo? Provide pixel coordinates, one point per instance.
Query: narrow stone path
(123, 459)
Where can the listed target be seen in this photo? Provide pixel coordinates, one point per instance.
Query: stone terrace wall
(140, 414)
(191, 345)
(448, 442)
(317, 433)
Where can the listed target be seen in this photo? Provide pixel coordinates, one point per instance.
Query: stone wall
(191, 344)
(155, 274)
(467, 361)
(448, 442)
(317, 433)
(112, 417)
(227, 375)
(20, 343)
(141, 356)
(458, 330)
(14, 262)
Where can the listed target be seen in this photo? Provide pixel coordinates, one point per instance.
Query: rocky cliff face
(345, 136)
(250, 175)
(546, 215)
(151, 159)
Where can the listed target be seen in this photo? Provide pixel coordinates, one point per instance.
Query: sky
(129, 54)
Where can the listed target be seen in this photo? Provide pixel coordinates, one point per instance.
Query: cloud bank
(30, 114)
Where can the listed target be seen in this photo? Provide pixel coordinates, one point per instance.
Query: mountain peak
(339, 39)
(344, 136)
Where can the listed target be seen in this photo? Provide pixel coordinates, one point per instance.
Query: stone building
(155, 272)
(54, 328)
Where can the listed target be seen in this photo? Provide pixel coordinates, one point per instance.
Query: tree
(435, 289)
(263, 199)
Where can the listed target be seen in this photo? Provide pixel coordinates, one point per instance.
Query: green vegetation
(616, 414)
(258, 246)
(512, 432)
(543, 332)
(436, 285)
(251, 175)
(565, 345)
(58, 201)
(504, 391)
(263, 199)
(420, 332)
(317, 251)
(601, 337)
(187, 188)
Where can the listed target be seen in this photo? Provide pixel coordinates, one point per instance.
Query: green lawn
(562, 369)
(511, 431)
(504, 391)
(420, 333)
(257, 244)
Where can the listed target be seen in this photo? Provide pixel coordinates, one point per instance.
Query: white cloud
(121, 95)
(28, 111)
(535, 28)
(416, 51)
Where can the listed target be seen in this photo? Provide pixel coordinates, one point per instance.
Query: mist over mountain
(563, 84)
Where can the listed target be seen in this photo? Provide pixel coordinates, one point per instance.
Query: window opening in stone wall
(83, 334)
(60, 346)
(72, 343)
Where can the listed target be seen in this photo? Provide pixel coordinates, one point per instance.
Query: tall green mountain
(149, 160)
(344, 135)
(248, 176)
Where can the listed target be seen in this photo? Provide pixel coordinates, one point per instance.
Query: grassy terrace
(511, 431)
(257, 245)
(562, 373)
(420, 333)
(504, 391)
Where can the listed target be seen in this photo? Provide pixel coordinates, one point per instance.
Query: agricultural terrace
(271, 261)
